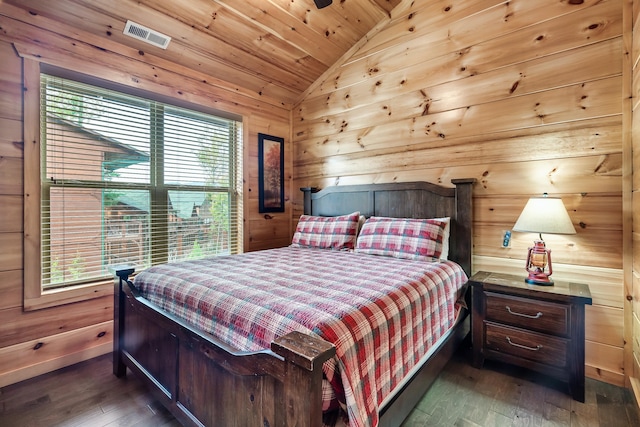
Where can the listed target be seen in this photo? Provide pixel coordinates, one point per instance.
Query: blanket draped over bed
(381, 313)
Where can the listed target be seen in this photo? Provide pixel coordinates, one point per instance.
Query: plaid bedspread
(381, 313)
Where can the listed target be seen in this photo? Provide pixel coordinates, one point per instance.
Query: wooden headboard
(404, 200)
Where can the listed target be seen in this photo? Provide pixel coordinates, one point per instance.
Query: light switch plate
(506, 238)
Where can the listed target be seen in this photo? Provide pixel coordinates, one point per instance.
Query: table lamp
(542, 215)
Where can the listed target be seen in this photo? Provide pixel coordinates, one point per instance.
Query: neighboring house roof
(138, 200)
(183, 206)
(123, 157)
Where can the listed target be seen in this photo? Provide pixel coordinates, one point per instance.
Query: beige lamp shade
(545, 215)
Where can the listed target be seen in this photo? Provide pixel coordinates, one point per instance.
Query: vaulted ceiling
(276, 47)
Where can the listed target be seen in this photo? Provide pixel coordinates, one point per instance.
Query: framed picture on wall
(270, 173)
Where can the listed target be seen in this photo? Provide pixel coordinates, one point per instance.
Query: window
(128, 180)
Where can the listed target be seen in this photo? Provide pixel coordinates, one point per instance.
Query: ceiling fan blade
(322, 3)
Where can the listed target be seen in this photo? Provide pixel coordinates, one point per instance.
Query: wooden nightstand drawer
(537, 327)
(526, 345)
(541, 316)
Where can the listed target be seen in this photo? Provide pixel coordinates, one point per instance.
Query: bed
(204, 380)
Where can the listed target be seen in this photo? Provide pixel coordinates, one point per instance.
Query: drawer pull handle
(536, 348)
(539, 314)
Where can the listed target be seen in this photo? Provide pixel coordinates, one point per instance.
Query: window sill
(70, 295)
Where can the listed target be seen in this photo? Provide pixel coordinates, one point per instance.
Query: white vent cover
(145, 34)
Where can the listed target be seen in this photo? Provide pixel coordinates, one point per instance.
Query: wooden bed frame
(205, 383)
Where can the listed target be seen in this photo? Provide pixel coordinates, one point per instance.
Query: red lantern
(538, 259)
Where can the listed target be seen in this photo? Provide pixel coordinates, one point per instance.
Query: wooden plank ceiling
(276, 48)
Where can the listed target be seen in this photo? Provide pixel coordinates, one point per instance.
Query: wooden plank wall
(524, 96)
(38, 341)
(633, 321)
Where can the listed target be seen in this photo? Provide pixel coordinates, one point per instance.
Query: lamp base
(539, 281)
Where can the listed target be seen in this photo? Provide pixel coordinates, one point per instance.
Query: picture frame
(270, 173)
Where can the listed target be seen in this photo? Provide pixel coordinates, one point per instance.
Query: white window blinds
(127, 180)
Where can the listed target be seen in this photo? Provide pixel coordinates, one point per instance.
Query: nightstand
(537, 327)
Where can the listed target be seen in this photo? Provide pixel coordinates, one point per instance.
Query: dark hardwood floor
(505, 395)
(85, 394)
(88, 394)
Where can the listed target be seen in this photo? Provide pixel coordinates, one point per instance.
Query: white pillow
(445, 237)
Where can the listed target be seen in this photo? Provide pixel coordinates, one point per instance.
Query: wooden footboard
(203, 382)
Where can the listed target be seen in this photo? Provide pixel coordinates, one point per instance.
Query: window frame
(35, 295)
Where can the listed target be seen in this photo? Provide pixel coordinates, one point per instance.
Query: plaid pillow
(326, 232)
(407, 238)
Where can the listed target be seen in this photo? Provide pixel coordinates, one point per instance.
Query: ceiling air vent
(145, 34)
